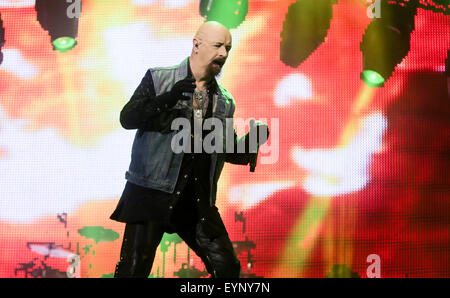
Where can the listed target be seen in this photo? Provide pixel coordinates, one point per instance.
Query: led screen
(351, 175)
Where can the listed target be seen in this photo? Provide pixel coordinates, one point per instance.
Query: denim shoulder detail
(153, 163)
(226, 94)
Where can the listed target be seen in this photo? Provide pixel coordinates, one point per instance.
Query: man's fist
(186, 85)
(169, 99)
(262, 131)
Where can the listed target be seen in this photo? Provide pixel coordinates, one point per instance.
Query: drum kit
(240, 247)
(36, 270)
(39, 268)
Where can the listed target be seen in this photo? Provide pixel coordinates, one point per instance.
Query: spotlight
(305, 27)
(56, 17)
(230, 13)
(2, 38)
(386, 42)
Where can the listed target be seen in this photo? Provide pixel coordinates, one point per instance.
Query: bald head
(211, 45)
(212, 29)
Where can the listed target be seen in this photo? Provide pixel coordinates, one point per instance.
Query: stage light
(56, 17)
(230, 13)
(63, 44)
(304, 29)
(386, 42)
(372, 78)
(2, 38)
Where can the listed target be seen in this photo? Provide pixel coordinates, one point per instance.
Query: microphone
(254, 157)
(260, 139)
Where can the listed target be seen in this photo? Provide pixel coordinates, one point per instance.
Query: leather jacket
(153, 162)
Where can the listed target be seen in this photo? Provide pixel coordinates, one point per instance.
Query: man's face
(213, 50)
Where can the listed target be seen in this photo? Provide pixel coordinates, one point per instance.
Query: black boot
(137, 254)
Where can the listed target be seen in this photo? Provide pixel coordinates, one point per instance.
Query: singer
(176, 192)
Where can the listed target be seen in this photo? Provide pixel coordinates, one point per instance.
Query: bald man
(176, 192)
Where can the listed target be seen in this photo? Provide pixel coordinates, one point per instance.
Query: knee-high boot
(139, 245)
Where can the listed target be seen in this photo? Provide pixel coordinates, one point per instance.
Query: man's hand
(262, 131)
(186, 85)
(262, 134)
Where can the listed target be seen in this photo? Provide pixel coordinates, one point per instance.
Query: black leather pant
(141, 240)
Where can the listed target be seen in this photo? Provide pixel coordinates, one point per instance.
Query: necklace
(200, 103)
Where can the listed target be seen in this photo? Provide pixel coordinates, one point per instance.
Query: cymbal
(49, 249)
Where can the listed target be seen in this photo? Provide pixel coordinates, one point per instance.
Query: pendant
(198, 95)
(198, 113)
